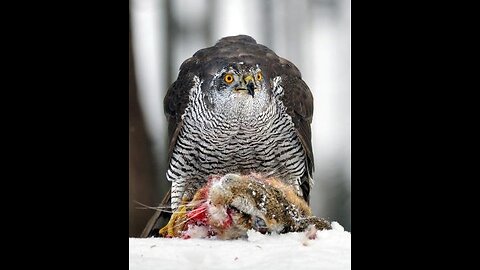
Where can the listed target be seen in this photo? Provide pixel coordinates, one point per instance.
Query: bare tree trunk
(141, 176)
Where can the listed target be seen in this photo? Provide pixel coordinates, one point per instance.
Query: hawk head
(239, 90)
(238, 79)
(237, 76)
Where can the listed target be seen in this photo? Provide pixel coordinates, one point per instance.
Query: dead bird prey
(230, 205)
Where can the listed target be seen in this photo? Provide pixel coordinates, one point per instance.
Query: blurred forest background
(313, 34)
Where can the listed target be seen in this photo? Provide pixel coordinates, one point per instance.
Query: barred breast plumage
(235, 140)
(237, 107)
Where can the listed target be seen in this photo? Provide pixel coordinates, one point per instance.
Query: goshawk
(236, 107)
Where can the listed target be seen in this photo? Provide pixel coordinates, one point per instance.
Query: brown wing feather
(175, 102)
(299, 102)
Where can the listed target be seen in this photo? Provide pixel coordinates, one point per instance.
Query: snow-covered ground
(330, 250)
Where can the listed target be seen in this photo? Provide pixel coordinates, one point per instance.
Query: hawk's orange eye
(228, 78)
(259, 76)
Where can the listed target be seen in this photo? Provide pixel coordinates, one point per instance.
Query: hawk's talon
(176, 223)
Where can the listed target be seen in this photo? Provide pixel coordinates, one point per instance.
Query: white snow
(330, 250)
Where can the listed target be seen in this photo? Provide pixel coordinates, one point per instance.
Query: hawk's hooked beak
(250, 85)
(247, 84)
